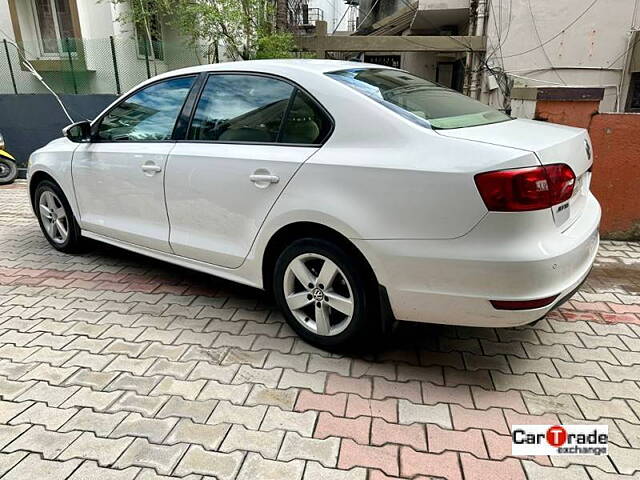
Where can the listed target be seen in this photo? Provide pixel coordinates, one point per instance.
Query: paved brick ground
(114, 366)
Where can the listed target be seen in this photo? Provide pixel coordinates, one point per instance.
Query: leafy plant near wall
(243, 28)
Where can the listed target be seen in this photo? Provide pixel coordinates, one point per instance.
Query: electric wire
(573, 22)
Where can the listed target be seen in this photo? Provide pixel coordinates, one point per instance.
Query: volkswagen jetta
(355, 193)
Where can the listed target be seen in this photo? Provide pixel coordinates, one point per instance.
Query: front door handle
(263, 179)
(151, 168)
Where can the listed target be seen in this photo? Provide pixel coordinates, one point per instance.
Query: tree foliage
(242, 29)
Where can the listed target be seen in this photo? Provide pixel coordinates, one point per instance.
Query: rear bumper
(453, 281)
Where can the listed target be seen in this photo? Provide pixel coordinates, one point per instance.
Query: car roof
(281, 66)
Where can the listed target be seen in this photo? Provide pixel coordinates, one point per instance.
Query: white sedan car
(357, 194)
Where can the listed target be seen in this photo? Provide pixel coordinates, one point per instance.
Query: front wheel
(8, 171)
(56, 218)
(327, 295)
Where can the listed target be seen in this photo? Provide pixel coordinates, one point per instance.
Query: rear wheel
(8, 171)
(56, 218)
(327, 295)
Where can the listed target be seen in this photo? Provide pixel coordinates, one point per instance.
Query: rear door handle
(259, 178)
(151, 168)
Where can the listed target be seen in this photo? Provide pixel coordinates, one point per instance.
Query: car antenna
(33, 72)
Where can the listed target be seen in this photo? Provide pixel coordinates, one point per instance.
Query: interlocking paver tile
(162, 458)
(9, 460)
(135, 425)
(261, 395)
(276, 419)
(102, 424)
(9, 410)
(38, 439)
(33, 466)
(480, 469)
(143, 404)
(266, 444)
(90, 471)
(250, 417)
(324, 451)
(354, 455)
(39, 413)
(209, 436)
(105, 451)
(43, 392)
(8, 433)
(198, 411)
(357, 429)
(223, 466)
(255, 466)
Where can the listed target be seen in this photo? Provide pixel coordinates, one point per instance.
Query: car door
(249, 135)
(118, 177)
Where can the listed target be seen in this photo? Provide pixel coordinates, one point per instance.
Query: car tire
(8, 171)
(334, 309)
(56, 217)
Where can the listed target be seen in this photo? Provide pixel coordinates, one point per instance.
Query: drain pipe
(480, 30)
(468, 64)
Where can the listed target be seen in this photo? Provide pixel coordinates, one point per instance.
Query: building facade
(529, 45)
(83, 47)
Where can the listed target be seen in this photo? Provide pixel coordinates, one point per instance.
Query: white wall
(333, 12)
(582, 55)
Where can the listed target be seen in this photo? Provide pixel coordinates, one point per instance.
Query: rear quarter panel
(417, 185)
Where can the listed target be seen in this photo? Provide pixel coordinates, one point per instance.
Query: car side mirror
(78, 132)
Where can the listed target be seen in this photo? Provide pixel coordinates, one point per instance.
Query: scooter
(8, 167)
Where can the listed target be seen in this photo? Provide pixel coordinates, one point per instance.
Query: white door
(118, 177)
(248, 137)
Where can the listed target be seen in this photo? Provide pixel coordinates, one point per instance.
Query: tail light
(525, 189)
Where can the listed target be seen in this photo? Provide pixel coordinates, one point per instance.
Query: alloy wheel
(318, 294)
(54, 217)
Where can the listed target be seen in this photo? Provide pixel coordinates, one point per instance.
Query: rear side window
(148, 115)
(240, 108)
(306, 123)
(419, 100)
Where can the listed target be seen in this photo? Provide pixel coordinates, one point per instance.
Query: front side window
(419, 100)
(240, 108)
(55, 26)
(148, 115)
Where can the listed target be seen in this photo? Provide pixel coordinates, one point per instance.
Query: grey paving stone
(38, 439)
(105, 451)
(37, 468)
(50, 417)
(135, 425)
(266, 444)
(198, 410)
(102, 424)
(256, 467)
(143, 404)
(209, 436)
(222, 466)
(91, 471)
(162, 458)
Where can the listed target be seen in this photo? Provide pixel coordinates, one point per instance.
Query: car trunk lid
(551, 143)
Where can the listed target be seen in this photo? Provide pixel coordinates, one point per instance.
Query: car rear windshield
(419, 100)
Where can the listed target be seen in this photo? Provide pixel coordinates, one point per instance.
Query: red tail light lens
(525, 189)
(523, 304)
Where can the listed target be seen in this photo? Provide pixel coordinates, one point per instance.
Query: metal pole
(146, 58)
(73, 74)
(115, 64)
(13, 78)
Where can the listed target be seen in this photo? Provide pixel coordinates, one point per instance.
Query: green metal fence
(80, 66)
